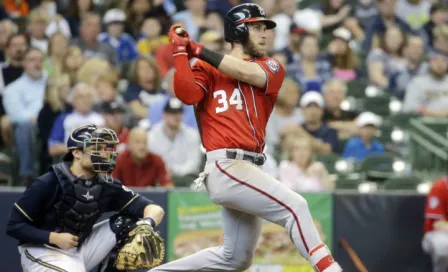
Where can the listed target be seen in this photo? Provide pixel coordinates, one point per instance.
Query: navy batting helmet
(235, 28)
(104, 142)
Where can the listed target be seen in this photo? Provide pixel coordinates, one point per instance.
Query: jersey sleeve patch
(433, 202)
(273, 65)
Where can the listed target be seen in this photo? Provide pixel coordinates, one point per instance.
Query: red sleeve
(436, 203)
(274, 75)
(185, 85)
(163, 177)
(202, 74)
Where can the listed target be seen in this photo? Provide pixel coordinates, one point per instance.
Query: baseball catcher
(54, 220)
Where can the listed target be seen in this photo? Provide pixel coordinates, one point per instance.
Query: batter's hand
(179, 39)
(63, 240)
(195, 49)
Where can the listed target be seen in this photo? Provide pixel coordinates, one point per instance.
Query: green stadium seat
(378, 167)
(402, 183)
(378, 105)
(356, 88)
(348, 182)
(329, 161)
(401, 120)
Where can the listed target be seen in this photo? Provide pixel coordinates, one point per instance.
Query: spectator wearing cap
(385, 18)
(114, 21)
(335, 92)
(176, 143)
(438, 16)
(193, 17)
(88, 40)
(155, 112)
(292, 50)
(82, 100)
(360, 147)
(151, 37)
(307, 19)
(311, 70)
(414, 53)
(113, 113)
(136, 167)
(324, 139)
(285, 113)
(343, 60)
(22, 100)
(427, 94)
(38, 21)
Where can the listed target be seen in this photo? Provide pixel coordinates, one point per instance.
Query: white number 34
(235, 99)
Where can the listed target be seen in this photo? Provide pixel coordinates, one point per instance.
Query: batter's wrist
(151, 221)
(211, 57)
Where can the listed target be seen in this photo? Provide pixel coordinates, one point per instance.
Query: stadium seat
(356, 88)
(378, 167)
(377, 104)
(348, 182)
(402, 183)
(329, 161)
(401, 119)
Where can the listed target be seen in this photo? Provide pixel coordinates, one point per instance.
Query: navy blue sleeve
(332, 139)
(132, 93)
(29, 209)
(129, 201)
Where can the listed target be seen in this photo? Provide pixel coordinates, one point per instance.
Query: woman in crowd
(311, 71)
(57, 50)
(385, 62)
(152, 37)
(300, 172)
(76, 10)
(144, 85)
(55, 103)
(72, 61)
(334, 12)
(343, 59)
(138, 10)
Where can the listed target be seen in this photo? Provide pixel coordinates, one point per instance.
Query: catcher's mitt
(141, 247)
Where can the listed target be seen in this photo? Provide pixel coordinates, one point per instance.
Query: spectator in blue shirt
(379, 25)
(124, 44)
(155, 113)
(324, 138)
(365, 144)
(23, 100)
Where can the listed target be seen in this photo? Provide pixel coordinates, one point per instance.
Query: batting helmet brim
(269, 23)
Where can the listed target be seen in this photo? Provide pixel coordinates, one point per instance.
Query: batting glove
(195, 49)
(179, 42)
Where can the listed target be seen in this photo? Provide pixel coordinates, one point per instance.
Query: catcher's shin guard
(322, 261)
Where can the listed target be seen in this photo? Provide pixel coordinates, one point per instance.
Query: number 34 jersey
(234, 114)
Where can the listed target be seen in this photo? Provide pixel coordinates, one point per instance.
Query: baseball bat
(353, 256)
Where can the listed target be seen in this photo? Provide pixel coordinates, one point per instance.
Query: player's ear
(77, 153)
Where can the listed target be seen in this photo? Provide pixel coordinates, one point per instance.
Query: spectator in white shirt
(82, 98)
(299, 172)
(175, 142)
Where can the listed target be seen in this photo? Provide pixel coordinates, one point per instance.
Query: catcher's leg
(42, 259)
(241, 233)
(98, 245)
(246, 188)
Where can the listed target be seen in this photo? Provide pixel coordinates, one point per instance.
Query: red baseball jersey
(234, 114)
(436, 204)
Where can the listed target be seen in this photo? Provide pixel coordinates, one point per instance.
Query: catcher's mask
(99, 143)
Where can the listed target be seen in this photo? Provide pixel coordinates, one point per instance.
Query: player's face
(256, 44)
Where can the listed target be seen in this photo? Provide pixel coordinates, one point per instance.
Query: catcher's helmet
(235, 28)
(104, 141)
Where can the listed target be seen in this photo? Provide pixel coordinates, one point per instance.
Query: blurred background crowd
(357, 72)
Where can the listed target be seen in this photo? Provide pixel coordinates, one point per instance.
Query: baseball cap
(114, 16)
(342, 33)
(295, 29)
(174, 105)
(312, 97)
(368, 118)
(112, 107)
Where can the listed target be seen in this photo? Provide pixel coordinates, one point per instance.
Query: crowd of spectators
(69, 63)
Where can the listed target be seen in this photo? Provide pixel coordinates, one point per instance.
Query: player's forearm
(441, 225)
(185, 86)
(27, 233)
(155, 212)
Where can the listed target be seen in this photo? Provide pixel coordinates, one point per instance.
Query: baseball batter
(235, 95)
(54, 218)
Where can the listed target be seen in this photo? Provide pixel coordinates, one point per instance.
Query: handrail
(429, 146)
(419, 125)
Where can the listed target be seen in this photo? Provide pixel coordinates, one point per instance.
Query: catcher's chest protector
(78, 209)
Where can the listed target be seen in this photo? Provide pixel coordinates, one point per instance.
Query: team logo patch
(433, 202)
(273, 65)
